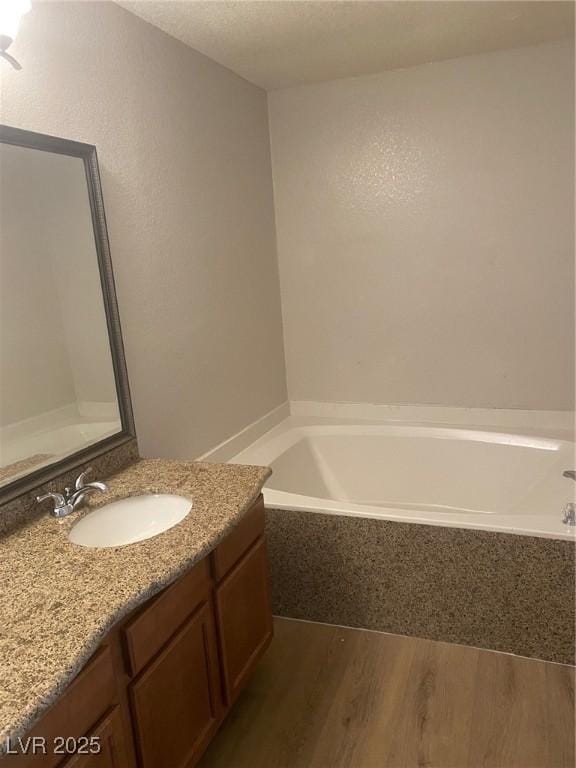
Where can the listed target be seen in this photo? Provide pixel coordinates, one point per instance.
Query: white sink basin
(129, 520)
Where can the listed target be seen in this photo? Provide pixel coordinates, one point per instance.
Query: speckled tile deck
(58, 600)
(491, 590)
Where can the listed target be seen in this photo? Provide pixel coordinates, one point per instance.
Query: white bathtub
(450, 475)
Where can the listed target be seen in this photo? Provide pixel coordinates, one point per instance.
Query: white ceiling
(279, 43)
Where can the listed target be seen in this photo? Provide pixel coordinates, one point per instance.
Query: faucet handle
(57, 498)
(62, 505)
(81, 479)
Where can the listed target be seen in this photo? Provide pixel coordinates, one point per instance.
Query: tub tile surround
(64, 598)
(490, 590)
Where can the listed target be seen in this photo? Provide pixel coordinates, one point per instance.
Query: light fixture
(11, 11)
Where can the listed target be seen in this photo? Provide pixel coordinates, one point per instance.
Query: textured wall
(184, 156)
(425, 233)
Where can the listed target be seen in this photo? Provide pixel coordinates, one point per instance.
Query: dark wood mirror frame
(87, 152)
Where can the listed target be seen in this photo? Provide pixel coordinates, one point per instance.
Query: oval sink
(129, 520)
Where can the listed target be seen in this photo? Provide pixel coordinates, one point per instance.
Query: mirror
(63, 386)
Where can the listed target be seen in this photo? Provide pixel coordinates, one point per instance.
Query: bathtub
(455, 475)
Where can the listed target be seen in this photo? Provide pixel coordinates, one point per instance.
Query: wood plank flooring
(327, 697)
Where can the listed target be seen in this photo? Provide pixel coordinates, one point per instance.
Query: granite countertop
(58, 600)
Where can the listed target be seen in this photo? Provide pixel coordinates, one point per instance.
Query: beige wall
(425, 233)
(184, 156)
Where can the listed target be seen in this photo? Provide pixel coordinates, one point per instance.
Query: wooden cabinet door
(176, 699)
(244, 618)
(89, 699)
(113, 752)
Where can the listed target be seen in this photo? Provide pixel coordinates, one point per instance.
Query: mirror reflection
(57, 387)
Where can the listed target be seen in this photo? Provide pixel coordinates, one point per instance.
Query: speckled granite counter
(58, 600)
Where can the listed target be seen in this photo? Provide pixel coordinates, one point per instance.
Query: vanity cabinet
(175, 700)
(109, 734)
(244, 619)
(157, 690)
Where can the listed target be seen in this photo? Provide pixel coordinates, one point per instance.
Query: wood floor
(327, 697)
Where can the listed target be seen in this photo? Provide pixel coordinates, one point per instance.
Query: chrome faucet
(569, 514)
(569, 511)
(65, 503)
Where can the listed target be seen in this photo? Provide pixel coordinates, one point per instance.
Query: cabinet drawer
(86, 700)
(151, 629)
(239, 540)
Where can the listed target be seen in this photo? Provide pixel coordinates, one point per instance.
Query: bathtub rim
(292, 429)
(297, 503)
